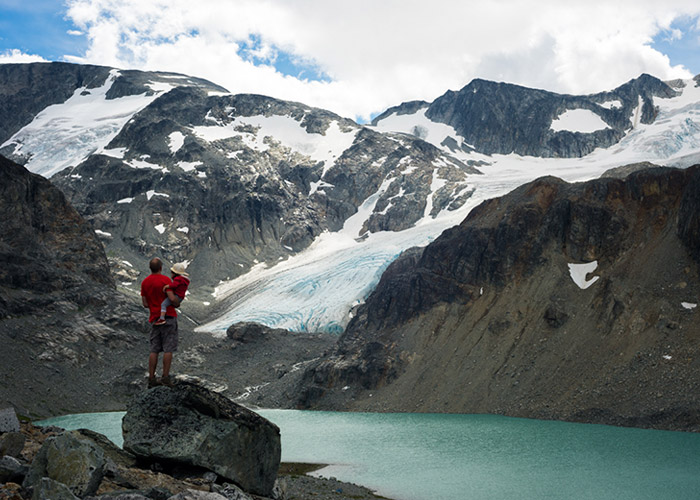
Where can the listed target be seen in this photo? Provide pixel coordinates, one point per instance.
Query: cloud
(377, 54)
(17, 56)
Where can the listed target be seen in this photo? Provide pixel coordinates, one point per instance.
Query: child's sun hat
(179, 268)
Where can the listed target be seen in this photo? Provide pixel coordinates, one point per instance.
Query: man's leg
(167, 360)
(153, 363)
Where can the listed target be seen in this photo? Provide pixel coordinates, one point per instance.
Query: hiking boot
(167, 381)
(153, 382)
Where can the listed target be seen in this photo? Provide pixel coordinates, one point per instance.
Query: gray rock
(70, 459)
(49, 489)
(197, 495)
(210, 477)
(233, 492)
(8, 420)
(12, 444)
(194, 426)
(11, 470)
(120, 496)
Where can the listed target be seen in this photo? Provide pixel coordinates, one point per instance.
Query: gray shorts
(164, 337)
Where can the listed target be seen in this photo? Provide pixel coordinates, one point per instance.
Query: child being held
(178, 287)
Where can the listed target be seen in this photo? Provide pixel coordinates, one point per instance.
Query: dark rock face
(487, 318)
(194, 426)
(45, 246)
(60, 313)
(501, 118)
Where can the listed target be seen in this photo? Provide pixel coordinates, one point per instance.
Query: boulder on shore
(69, 459)
(191, 425)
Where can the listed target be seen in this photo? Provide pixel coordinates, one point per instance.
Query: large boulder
(69, 459)
(191, 425)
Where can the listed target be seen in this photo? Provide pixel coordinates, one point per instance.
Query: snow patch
(99, 232)
(151, 193)
(160, 228)
(125, 200)
(176, 140)
(288, 132)
(183, 229)
(421, 126)
(614, 104)
(584, 121)
(579, 272)
(435, 185)
(189, 166)
(689, 305)
(315, 186)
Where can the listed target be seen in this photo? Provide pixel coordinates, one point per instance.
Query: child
(178, 287)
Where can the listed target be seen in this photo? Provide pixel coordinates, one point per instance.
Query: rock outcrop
(495, 316)
(191, 425)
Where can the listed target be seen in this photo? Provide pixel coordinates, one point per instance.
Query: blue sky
(38, 27)
(681, 43)
(358, 58)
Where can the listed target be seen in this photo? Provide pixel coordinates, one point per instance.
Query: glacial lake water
(476, 457)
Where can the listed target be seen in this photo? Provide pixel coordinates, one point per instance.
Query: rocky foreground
(180, 443)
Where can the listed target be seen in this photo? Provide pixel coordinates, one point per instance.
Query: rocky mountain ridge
(497, 316)
(502, 118)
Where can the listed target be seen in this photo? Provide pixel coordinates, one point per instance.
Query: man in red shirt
(163, 337)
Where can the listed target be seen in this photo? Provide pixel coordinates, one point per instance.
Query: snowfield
(63, 135)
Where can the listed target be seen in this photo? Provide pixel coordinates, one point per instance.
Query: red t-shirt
(179, 286)
(152, 289)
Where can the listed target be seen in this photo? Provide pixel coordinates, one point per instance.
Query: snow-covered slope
(317, 289)
(63, 135)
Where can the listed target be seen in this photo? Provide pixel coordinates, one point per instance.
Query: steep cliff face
(62, 321)
(46, 247)
(498, 315)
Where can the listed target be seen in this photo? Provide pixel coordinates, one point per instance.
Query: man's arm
(144, 302)
(174, 299)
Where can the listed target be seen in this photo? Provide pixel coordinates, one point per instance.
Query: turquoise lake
(464, 457)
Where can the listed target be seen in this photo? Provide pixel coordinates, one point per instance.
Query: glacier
(63, 135)
(317, 289)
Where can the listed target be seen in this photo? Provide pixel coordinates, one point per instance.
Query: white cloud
(378, 54)
(17, 56)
